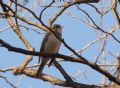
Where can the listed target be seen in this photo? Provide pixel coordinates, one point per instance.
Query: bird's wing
(52, 59)
(43, 43)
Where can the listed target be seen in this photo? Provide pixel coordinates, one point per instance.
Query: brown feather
(50, 44)
(43, 43)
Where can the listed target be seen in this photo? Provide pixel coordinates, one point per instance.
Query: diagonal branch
(56, 81)
(22, 18)
(115, 12)
(23, 39)
(7, 81)
(64, 73)
(66, 58)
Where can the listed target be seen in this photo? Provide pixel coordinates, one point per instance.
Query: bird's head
(57, 27)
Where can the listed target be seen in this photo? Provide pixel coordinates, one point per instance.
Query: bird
(51, 45)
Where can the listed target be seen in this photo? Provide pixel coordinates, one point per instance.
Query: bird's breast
(52, 45)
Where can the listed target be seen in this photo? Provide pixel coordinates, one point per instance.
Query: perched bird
(51, 45)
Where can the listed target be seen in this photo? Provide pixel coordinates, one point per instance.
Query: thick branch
(56, 81)
(67, 58)
(23, 39)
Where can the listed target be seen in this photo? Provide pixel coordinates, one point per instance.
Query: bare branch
(8, 81)
(67, 58)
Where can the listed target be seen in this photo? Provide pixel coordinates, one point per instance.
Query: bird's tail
(39, 60)
(51, 61)
(43, 62)
(40, 69)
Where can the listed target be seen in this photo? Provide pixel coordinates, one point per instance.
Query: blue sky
(75, 33)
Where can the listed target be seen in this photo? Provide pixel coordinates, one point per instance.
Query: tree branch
(67, 58)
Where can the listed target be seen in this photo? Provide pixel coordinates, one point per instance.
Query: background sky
(75, 33)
